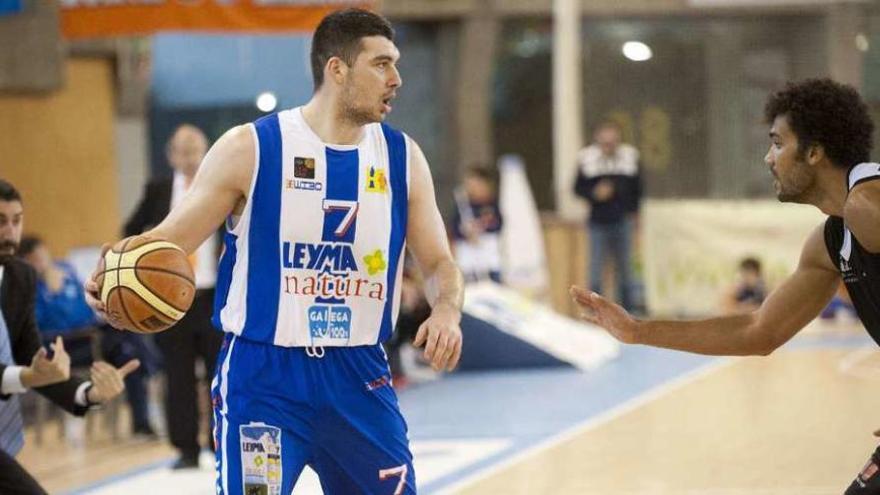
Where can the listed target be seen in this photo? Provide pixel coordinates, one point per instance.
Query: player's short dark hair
(339, 35)
(8, 192)
(751, 263)
(29, 244)
(827, 113)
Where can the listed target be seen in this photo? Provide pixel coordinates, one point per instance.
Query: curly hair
(827, 113)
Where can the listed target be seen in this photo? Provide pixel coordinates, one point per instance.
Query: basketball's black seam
(153, 269)
(124, 309)
(121, 299)
(164, 270)
(157, 296)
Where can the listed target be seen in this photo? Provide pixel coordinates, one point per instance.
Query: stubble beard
(354, 112)
(800, 186)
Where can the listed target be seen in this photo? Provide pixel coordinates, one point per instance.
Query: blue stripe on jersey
(399, 211)
(341, 196)
(264, 255)
(224, 277)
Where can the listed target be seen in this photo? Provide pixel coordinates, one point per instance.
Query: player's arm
(789, 308)
(222, 182)
(861, 212)
(444, 286)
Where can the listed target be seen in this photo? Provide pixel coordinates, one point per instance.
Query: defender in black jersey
(821, 142)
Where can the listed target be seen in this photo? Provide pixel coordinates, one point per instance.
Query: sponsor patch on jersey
(260, 459)
(376, 181)
(330, 322)
(304, 185)
(324, 256)
(375, 262)
(303, 168)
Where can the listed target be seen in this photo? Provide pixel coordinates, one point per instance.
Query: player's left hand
(107, 381)
(441, 335)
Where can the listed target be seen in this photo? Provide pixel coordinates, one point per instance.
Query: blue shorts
(277, 409)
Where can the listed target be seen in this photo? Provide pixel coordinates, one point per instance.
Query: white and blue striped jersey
(316, 258)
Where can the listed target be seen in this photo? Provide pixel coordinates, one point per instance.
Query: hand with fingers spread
(107, 381)
(599, 311)
(44, 371)
(441, 336)
(93, 290)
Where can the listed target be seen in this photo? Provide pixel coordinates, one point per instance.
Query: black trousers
(192, 338)
(867, 482)
(14, 480)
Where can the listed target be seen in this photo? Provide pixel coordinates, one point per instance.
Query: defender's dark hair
(827, 113)
(339, 35)
(8, 192)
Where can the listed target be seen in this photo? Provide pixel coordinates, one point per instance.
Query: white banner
(765, 3)
(582, 344)
(692, 248)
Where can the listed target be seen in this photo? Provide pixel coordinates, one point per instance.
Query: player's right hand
(93, 291)
(44, 371)
(604, 313)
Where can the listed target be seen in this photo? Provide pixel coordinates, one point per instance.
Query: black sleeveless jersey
(859, 269)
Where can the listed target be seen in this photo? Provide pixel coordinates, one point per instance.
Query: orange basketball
(147, 284)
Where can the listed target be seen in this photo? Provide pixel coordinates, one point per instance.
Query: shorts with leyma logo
(278, 409)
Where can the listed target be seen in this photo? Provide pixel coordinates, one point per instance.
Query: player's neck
(832, 191)
(323, 116)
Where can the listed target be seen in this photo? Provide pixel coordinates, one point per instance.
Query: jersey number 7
(349, 207)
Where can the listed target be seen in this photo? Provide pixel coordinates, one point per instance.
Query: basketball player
(320, 202)
(820, 144)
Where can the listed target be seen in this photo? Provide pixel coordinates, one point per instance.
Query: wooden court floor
(797, 422)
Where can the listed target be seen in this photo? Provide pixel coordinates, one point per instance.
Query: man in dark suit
(194, 337)
(24, 363)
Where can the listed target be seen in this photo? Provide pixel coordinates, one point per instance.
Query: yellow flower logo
(375, 262)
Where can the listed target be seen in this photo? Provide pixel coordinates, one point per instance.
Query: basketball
(147, 284)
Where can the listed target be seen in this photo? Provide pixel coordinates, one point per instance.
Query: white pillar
(567, 114)
(845, 62)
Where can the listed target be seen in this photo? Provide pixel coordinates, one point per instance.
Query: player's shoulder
(237, 142)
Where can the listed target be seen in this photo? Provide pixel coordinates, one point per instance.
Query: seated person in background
(61, 309)
(749, 290)
(476, 227)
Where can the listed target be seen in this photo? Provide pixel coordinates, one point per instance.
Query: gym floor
(650, 422)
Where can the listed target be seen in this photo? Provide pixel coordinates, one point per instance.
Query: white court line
(591, 423)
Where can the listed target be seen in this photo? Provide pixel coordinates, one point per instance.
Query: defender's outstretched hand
(599, 311)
